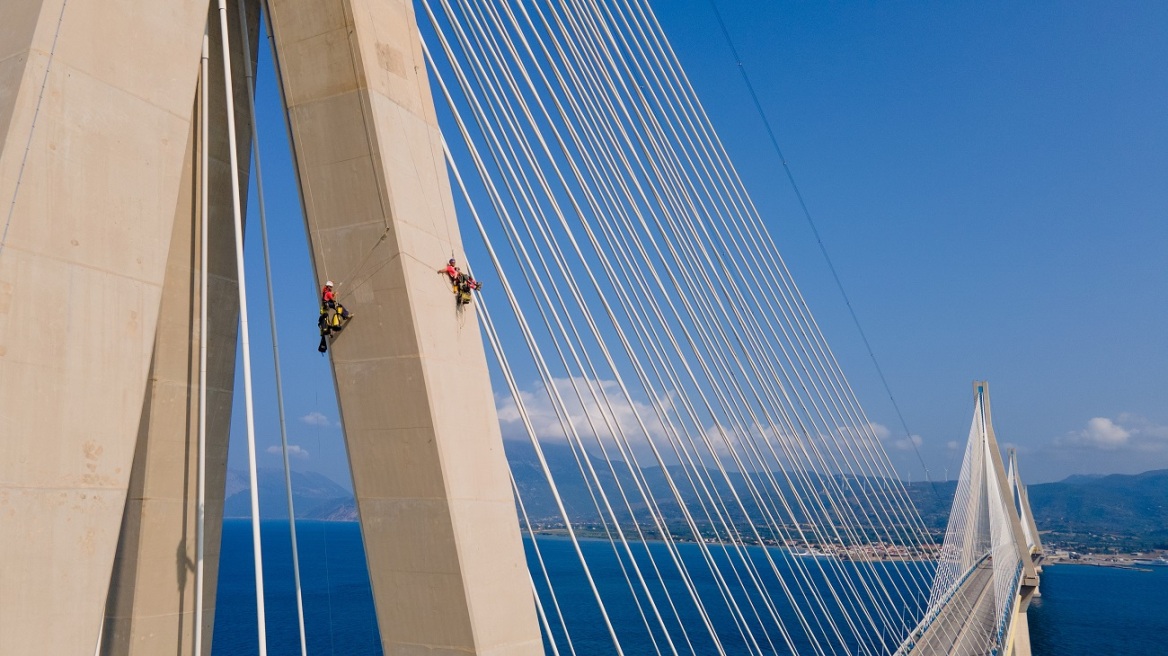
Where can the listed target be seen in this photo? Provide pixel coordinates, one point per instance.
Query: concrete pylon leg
(1018, 639)
(151, 606)
(437, 514)
(82, 264)
(1021, 646)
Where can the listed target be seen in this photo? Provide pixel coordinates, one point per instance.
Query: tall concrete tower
(98, 325)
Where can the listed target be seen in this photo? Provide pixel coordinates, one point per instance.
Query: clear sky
(989, 179)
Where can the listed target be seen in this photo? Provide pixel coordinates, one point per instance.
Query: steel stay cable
(542, 564)
(601, 215)
(510, 380)
(489, 330)
(953, 560)
(709, 131)
(204, 249)
(746, 351)
(547, 473)
(626, 267)
(959, 519)
(543, 620)
(674, 556)
(651, 300)
(768, 246)
(815, 231)
(570, 431)
(255, 142)
(649, 88)
(673, 487)
(549, 384)
(243, 329)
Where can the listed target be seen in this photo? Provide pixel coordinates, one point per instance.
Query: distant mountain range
(314, 496)
(1127, 512)
(1085, 512)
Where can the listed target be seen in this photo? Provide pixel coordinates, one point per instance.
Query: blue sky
(988, 178)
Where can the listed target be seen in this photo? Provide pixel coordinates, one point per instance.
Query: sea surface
(1083, 610)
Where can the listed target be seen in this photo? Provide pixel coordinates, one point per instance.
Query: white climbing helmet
(328, 283)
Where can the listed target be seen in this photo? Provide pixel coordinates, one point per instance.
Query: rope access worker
(328, 300)
(461, 284)
(330, 322)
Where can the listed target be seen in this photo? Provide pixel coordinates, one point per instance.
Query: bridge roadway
(964, 624)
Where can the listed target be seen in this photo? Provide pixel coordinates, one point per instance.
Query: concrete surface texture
(151, 604)
(438, 518)
(99, 329)
(87, 201)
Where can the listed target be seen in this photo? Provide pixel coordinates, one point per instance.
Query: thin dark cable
(36, 112)
(328, 581)
(815, 231)
(361, 263)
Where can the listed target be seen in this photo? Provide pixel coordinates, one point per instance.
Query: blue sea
(1083, 610)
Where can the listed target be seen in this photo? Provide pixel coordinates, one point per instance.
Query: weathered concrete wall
(151, 606)
(81, 274)
(438, 519)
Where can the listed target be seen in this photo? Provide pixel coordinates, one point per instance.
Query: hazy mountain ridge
(314, 496)
(1119, 510)
(1126, 507)
(1129, 511)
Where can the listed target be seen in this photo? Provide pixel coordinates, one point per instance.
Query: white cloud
(1142, 427)
(906, 443)
(1127, 432)
(315, 418)
(1104, 433)
(602, 416)
(611, 413)
(294, 451)
(952, 445)
(641, 421)
(883, 435)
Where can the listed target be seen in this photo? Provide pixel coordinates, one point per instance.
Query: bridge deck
(963, 626)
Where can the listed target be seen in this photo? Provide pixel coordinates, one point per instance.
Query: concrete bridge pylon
(98, 314)
(1017, 640)
(986, 575)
